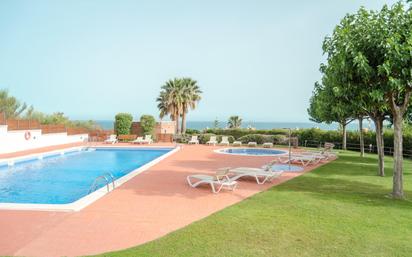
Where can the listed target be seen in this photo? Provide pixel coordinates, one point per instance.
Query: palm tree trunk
(183, 122)
(177, 124)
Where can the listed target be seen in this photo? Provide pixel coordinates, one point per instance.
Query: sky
(94, 58)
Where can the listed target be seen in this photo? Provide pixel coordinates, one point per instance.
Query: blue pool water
(253, 151)
(67, 178)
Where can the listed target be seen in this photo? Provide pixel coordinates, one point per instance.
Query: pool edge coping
(86, 200)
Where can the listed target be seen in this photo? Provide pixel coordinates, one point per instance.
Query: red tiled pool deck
(150, 205)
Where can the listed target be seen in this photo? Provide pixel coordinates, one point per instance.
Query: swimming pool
(251, 151)
(64, 178)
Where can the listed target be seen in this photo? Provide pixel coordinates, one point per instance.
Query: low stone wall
(21, 140)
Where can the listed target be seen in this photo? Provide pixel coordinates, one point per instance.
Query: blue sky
(91, 59)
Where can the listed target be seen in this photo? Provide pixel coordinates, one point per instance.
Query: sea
(107, 124)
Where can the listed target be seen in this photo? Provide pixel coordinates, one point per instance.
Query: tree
(148, 124)
(170, 101)
(123, 123)
(191, 96)
(327, 106)
(376, 46)
(396, 72)
(55, 118)
(176, 97)
(14, 109)
(163, 106)
(10, 106)
(216, 123)
(234, 122)
(348, 49)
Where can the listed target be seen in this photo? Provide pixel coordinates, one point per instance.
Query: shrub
(147, 124)
(231, 139)
(259, 139)
(204, 138)
(182, 139)
(314, 137)
(123, 123)
(237, 133)
(192, 131)
(280, 139)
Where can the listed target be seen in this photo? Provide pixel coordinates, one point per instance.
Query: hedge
(237, 133)
(204, 138)
(311, 136)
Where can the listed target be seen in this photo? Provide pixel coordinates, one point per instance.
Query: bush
(259, 139)
(204, 138)
(313, 136)
(231, 139)
(182, 139)
(280, 139)
(192, 131)
(123, 123)
(147, 124)
(237, 133)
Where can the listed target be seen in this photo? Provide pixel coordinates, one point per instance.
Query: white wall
(13, 141)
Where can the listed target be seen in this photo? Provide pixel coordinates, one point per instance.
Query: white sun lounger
(212, 141)
(138, 140)
(261, 175)
(224, 141)
(267, 145)
(305, 160)
(216, 182)
(148, 139)
(327, 151)
(252, 144)
(318, 155)
(237, 143)
(194, 140)
(111, 139)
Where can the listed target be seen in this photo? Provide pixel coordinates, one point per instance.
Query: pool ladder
(107, 178)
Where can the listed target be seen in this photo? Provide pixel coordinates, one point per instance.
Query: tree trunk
(343, 124)
(397, 192)
(183, 122)
(177, 124)
(361, 141)
(380, 145)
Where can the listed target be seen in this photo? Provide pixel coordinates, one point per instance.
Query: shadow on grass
(360, 166)
(341, 181)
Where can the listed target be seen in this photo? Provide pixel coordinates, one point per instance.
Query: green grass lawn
(340, 209)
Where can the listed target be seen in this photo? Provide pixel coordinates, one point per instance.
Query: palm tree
(162, 105)
(191, 96)
(175, 99)
(234, 122)
(170, 101)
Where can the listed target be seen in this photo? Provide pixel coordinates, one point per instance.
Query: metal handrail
(106, 177)
(111, 178)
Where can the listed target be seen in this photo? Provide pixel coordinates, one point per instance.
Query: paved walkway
(149, 206)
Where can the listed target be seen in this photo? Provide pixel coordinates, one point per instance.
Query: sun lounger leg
(260, 182)
(214, 189)
(190, 182)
